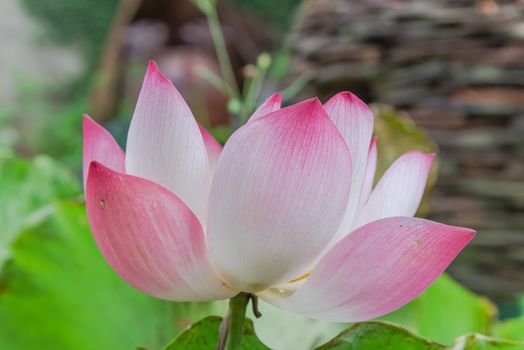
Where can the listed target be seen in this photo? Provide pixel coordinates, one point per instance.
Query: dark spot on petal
(417, 243)
(102, 203)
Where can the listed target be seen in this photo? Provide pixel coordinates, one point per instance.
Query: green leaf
(480, 342)
(380, 335)
(203, 335)
(510, 329)
(429, 314)
(57, 292)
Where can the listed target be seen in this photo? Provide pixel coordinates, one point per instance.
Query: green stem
(238, 305)
(221, 50)
(232, 327)
(252, 94)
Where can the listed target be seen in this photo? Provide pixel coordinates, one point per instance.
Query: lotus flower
(285, 211)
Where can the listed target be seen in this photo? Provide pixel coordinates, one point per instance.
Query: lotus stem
(232, 326)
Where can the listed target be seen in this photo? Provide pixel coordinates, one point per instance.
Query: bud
(263, 61)
(234, 106)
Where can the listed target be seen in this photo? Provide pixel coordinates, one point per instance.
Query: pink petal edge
(377, 269)
(369, 177)
(150, 237)
(165, 145)
(213, 148)
(270, 105)
(354, 120)
(400, 190)
(99, 145)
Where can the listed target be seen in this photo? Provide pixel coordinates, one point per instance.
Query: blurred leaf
(429, 314)
(57, 292)
(203, 335)
(59, 133)
(397, 134)
(379, 335)
(480, 342)
(510, 329)
(27, 187)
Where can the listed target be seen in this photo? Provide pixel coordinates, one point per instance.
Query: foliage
(511, 329)
(55, 135)
(57, 292)
(429, 314)
(204, 334)
(375, 335)
(361, 336)
(379, 335)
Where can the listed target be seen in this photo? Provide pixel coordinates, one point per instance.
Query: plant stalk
(221, 51)
(232, 326)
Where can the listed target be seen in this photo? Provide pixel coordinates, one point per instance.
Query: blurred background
(442, 75)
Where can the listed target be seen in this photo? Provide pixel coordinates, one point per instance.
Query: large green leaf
(203, 335)
(57, 292)
(379, 335)
(445, 311)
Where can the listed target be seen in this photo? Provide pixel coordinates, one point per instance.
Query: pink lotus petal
(400, 190)
(369, 177)
(164, 144)
(213, 148)
(150, 237)
(354, 120)
(270, 105)
(366, 187)
(279, 192)
(99, 145)
(377, 269)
